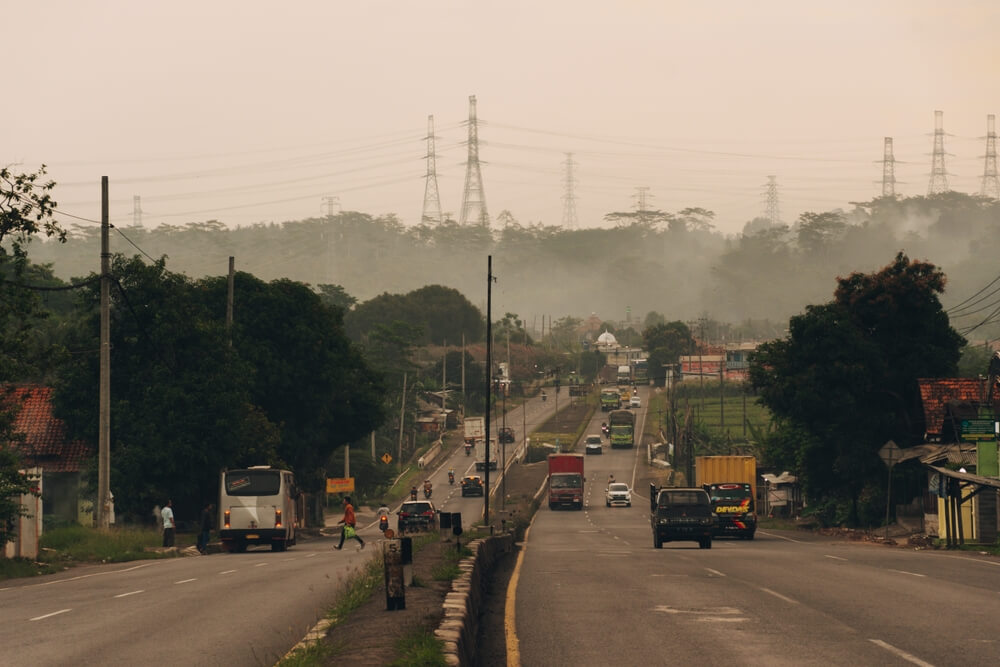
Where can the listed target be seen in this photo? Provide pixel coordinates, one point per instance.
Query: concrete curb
(462, 605)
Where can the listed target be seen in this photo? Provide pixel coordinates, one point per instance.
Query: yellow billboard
(339, 484)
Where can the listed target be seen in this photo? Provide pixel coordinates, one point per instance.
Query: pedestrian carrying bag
(349, 532)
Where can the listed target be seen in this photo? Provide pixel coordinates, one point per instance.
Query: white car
(635, 402)
(618, 493)
(593, 444)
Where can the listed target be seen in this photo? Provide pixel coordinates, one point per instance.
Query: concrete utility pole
(464, 397)
(402, 407)
(229, 299)
(489, 382)
(104, 419)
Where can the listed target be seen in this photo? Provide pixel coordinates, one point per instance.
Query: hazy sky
(251, 112)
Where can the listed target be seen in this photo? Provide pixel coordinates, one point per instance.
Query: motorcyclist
(543, 395)
(427, 488)
(451, 476)
(611, 479)
(383, 516)
(413, 492)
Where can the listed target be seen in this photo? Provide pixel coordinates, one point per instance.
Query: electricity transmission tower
(473, 197)
(888, 170)
(939, 175)
(432, 202)
(569, 199)
(329, 201)
(991, 184)
(136, 211)
(641, 196)
(771, 211)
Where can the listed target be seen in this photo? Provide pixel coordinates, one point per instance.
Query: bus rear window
(253, 482)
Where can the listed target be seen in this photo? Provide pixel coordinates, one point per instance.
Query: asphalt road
(592, 590)
(222, 609)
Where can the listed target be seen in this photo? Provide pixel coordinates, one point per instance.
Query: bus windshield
(253, 482)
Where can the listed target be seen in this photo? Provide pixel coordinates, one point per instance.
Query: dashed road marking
(909, 657)
(715, 572)
(260, 564)
(833, 557)
(87, 576)
(781, 537)
(912, 574)
(778, 595)
(55, 613)
(227, 572)
(125, 595)
(186, 581)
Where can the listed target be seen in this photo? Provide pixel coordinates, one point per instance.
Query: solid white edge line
(125, 595)
(909, 657)
(55, 613)
(87, 576)
(912, 574)
(780, 537)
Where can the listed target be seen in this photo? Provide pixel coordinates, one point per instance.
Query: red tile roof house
(63, 462)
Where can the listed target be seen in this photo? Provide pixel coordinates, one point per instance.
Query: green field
(733, 418)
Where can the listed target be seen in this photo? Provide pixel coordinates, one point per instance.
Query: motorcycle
(413, 493)
(451, 477)
(468, 449)
(383, 523)
(427, 492)
(544, 397)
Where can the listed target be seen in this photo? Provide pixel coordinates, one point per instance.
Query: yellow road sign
(339, 484)
(387, 458)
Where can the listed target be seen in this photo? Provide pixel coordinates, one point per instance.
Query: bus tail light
(277, 518)
(226, 520)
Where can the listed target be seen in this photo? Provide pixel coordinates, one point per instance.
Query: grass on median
(419, 648)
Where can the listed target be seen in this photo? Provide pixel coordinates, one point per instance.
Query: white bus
(257, 506)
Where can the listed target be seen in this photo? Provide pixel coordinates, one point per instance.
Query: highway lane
(593, 590)
(232, 609)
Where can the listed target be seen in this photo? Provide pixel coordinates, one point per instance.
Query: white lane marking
(55, 613)
(311, 555)
(912, 574)
(227, 572)
(720, 619)
(782, 537)
(974, 560)
(185, 581)
(778, 595)
(833, 557)
(260, 564)
(909, 657)
(125, 595)
(715, 572)
(708, 611)
(87, 576)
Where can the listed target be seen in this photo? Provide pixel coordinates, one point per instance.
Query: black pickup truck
(678, 513)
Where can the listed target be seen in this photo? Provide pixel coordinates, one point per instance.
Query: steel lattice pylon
(888, 170)
(991, 184)
(939, 175)
(473, 197)
(432, 201)
(771, 210)
(569, 199)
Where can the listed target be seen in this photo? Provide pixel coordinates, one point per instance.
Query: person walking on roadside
(167, 514)
(205, 532)
(349, 527)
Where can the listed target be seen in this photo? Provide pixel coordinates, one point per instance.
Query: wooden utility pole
(104, 419)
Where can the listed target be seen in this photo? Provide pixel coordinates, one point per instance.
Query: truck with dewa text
(622, 424)
(565, 482)
(731, 483)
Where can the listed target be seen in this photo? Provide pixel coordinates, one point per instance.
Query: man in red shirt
(348, 520)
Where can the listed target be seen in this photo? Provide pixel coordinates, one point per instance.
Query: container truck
(731, 483)
(566, 481)
(481, 454)
(624, 375)
(475, 431)
(622, 423)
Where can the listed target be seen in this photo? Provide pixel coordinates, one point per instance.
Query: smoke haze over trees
(671, 263)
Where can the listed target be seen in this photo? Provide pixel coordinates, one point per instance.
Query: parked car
(472, 485)
(618, 493)
(635, 402)
(593, 444)
(416, 515)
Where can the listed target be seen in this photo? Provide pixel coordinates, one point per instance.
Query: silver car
(618, 493)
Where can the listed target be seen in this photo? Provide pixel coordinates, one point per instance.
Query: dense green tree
(846, 376)
(664, 344)
(441, 313)
(335, 295)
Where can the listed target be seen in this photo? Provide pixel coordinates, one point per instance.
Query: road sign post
(890, 455)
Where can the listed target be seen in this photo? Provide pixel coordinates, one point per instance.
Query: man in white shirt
(167, 513)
